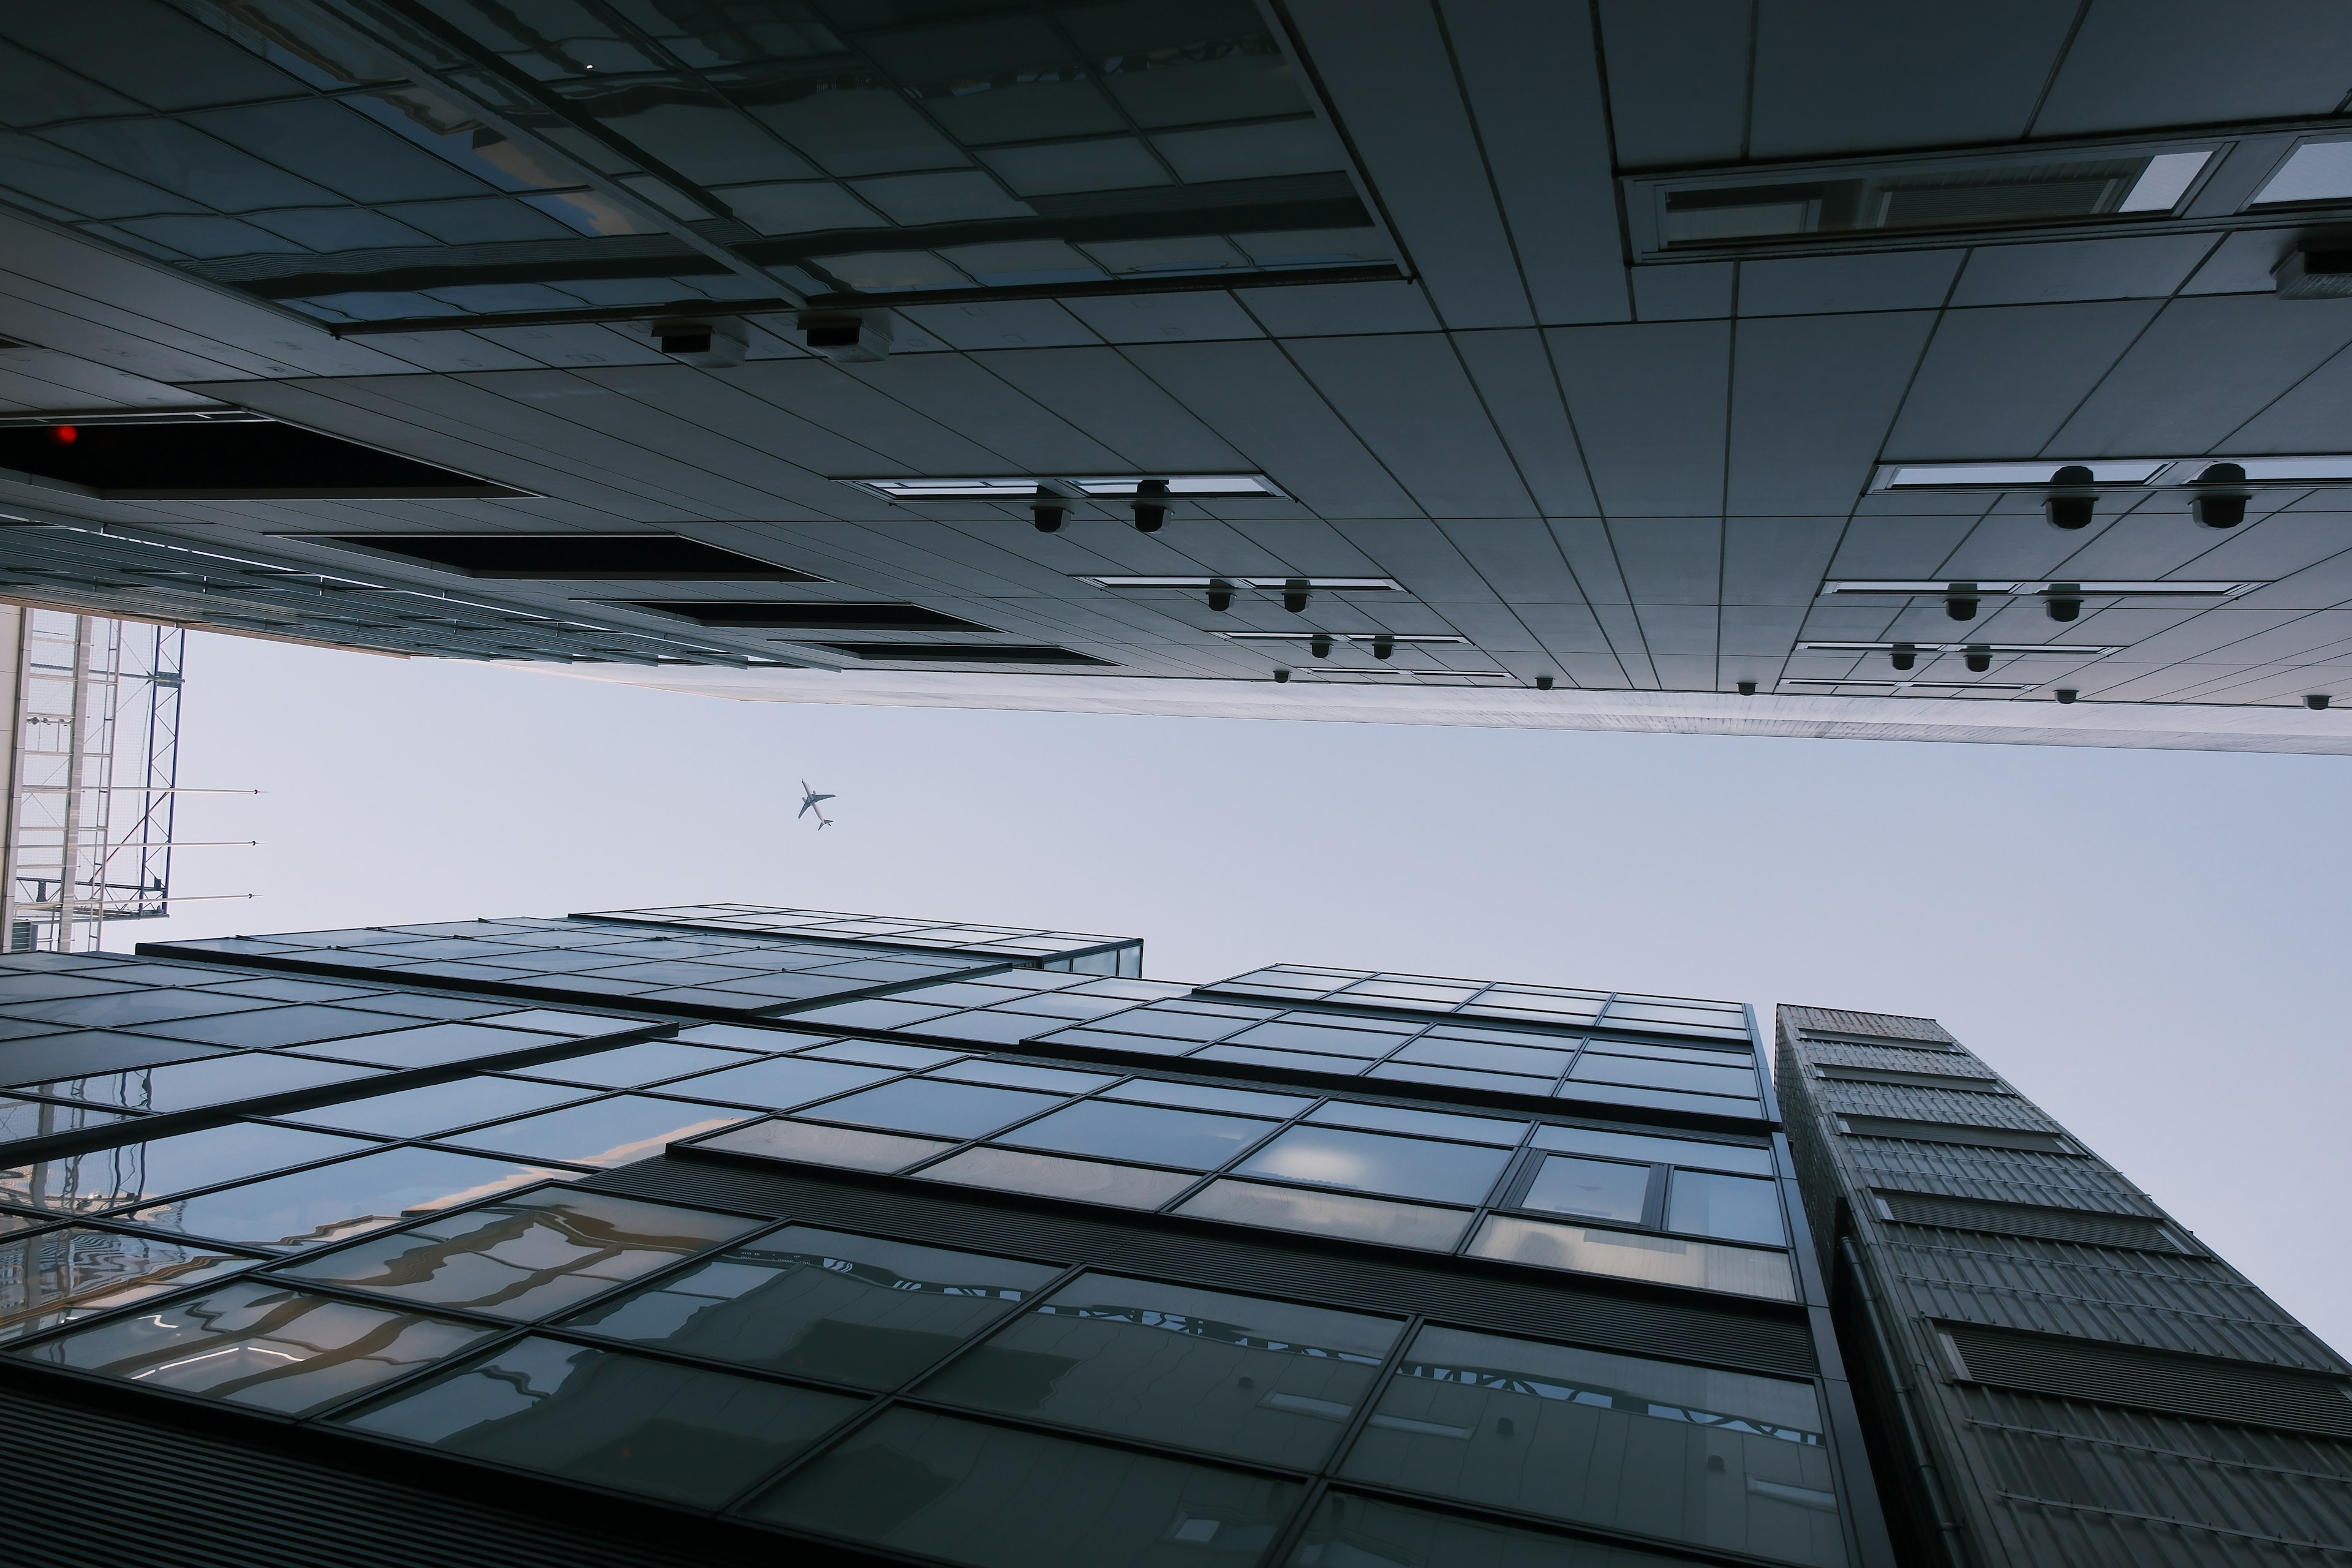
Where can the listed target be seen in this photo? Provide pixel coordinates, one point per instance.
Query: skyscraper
(2053, 1370)
(1754, 368)
(659, 1235)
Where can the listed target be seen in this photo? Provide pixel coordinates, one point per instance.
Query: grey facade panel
(2054, 1371)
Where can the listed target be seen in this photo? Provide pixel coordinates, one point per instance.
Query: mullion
(1286, 1538)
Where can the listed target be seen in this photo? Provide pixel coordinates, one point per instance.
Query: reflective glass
(337, 1202)
(1208, 1370)
(435, 1045)
(279, 1026)
(996, 1498)
(850, 1309)
(124, 1008)
(930, 1105)
(437, 1108)
(1019, 1075)
(627, 1067)
(1208, 1096)
(1649, 1147)
(882, 1054)
(1053, 1176)
(523, 1257)
(1596, 1068)
(107, 1178)
(1602, 1189)
(22, 1119)
(742, 1036)
(255, 1343)
(1632, 1255)
(612, 1420)
(1149, 1134)
(782, 1082)
(1351, 1532)
(846, 1147)
(1288, 1035)
(1376, 1162)
(1655, 1448)
(1461, 1078)
(1736, 1208)
(1332, 1214)
(220, 1081)
(602, 1133)
(1420, 1123)
(71, 1272)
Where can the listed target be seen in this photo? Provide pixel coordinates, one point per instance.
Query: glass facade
(455, 159)
(1135, 1307)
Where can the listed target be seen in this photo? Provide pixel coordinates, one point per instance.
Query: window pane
(337, 1202)
(437, 1108)
(526, 1257)
(1668, 1260)
(1052, 1176)
(627, 1067)
(1685, 1452)
(1485, 1057)
(1206, 1097)
(256, 1343)
(997, 1498)
(1421, 1123)
(1336, 1214)
(61, 1274)
(1734, 1207)
(1375, 1162)
(1205, 1369)
(21, 1119)
(928, 1105)
(435, 1045)
(882, 1054)
(602, 1133)
(1669, 1151)
(1191, 1140)
(612, 1420)
(854, 1308)
(1018, 1074)
(1601, 1188)
(842, 1146)
(1645, 1073)
(221, 1080)
(1322, 1039)
(105, 1178)
(1350, 1531)
(784, 1082)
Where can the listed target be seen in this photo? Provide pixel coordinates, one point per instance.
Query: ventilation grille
(2151, 1380)
(1953, 1132)
(2129, 1231)
(1963, 1083)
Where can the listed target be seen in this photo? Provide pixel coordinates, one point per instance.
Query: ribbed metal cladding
(2061, 1373)
(1764, 1340)
(92, 1489)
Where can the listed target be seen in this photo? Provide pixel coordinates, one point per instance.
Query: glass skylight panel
(104, 1179)
(58, 1275)
(2315, 171)
(600, 1132)
(334, 1202)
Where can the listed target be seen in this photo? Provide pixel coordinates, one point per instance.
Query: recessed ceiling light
(1183, 485)
(1346, 637)
(2014, 476)
(950, 489)
(2165, 180)
(929, 487)
(2087, 587)
(2086, 650)
(1319, 585)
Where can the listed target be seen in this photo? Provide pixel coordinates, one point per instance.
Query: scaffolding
(92, 776)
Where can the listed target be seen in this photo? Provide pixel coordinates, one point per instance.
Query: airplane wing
(815, 798)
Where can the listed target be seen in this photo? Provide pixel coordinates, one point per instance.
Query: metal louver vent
(1954, 1133)
(2194, 1386)
(2131, 1231)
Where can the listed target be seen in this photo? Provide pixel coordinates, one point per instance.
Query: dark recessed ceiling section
(568, 557)
(254, 460)
(807, 614)
(962, 653)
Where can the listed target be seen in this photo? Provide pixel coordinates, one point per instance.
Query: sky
(2145, 942)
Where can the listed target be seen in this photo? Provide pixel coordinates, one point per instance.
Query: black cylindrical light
(1049, 516)
(1384, 647)
(1295, 595)
(1543, 683)
(1903, 656)
(1747, 688)
(2066, 694)
(2069, 510)
(1319, 645)
(1221, 594)
(2222, 509)
(1980, 660)
(1961, 606)
(2317, 701)
(2063, 609)
(1150, 506)
(1282, 675)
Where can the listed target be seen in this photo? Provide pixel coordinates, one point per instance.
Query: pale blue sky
(2143, 941)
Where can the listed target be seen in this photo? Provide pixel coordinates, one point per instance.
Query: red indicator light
(64, 435)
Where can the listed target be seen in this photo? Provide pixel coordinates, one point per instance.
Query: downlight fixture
(1747, 689)
(714, 345)
(2063, 601)
(1049, 516)
(1319, 645)
(2067, 505)
(1385, 647)
(1543, 683)
(1281, 674)
(2219, 503)
(1294, 595)
(2317, 701)
(1979, 657)
(1221, 594)
(2066, 694)
(1961, 603)
(1150, 506)
(1903, 656)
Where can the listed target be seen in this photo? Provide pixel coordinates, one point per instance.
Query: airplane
(809, 799)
